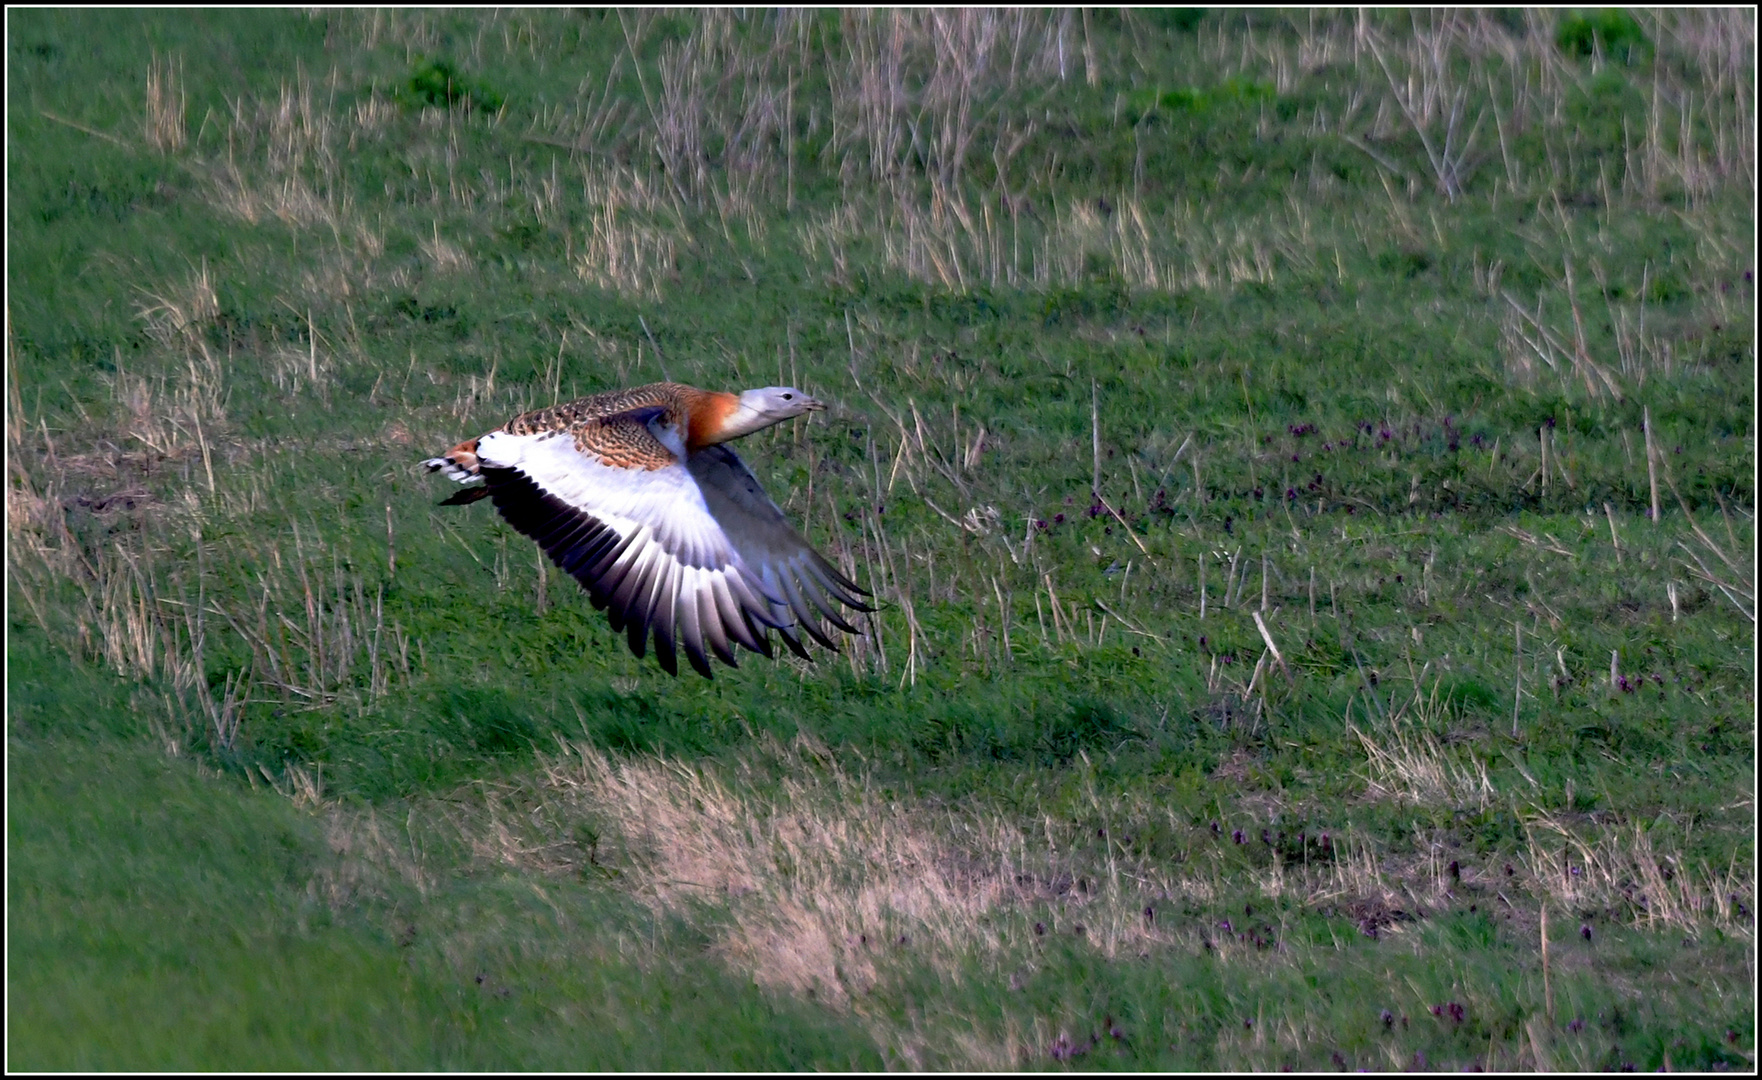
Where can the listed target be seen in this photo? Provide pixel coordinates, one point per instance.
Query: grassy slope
(1329, 300)
(161, 922)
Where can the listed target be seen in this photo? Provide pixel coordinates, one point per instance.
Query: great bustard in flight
(636, 494)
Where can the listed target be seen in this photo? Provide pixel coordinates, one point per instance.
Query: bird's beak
(812, 404)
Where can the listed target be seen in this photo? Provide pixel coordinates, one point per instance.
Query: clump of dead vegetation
(634, 235)
(1406, 762)
(1625, 871)
(108, 544)
(813, 889)
(165, 128)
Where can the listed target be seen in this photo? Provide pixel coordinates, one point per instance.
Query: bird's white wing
(640, 538)
(801, 585)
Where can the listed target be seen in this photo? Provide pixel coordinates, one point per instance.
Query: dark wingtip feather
(842, 625)
(630, 590)
(813, 630)
(763, 638)
(465, 497)
(665, 653)
(695, 654)
(794, 643)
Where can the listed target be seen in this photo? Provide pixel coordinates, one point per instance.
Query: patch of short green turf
(1301, 991)
(162, 917)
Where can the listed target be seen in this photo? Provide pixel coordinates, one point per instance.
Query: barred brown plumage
(663, 525)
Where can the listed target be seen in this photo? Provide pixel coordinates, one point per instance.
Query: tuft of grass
(1610, 33)
(438, 84)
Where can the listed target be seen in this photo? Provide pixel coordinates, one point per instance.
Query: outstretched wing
(801, 585)
(613, 507)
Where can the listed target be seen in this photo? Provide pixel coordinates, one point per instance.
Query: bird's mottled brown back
(570, 414)
(622, 444)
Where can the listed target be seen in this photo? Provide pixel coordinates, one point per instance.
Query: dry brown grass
(178, 314)
(1409, 765)
(1111, 236)
(1432, 64)
(1624, 871)
(165, 129)
(910, 129)
(633, 240)
(813, 890)
(1721, 43)
(130, 600)
(116, 616)
(918, 107)
(370, 859)
(812, 882)
(720, 107)
(809, 884)
(293, 369)
(122, 612)
(1723, 566)
(444, 255)
(281, 161)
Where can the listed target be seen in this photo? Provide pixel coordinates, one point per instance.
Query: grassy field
(1306, 467)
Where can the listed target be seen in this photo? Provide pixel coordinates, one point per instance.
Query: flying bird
(636, 494)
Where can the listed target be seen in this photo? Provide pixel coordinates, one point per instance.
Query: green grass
(271, 708)
(162, 922)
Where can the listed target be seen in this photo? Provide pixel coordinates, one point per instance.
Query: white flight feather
(666, 502)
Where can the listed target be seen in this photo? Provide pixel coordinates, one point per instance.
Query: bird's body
(634, 494)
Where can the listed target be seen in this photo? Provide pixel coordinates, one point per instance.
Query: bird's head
(776, 403)
(755, 410)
